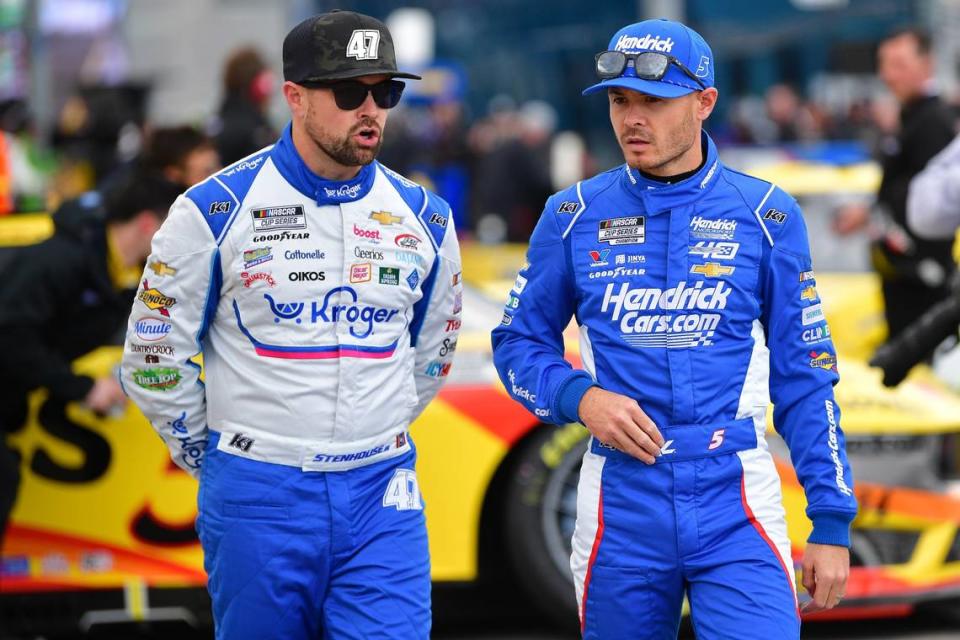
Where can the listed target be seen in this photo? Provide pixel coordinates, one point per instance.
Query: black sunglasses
(649, 65)
(350, 94)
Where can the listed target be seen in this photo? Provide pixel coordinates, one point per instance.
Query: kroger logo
(245, 165)
(342, 308)
(344, 191)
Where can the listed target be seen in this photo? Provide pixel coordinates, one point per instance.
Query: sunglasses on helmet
(648, 65)
(350, 94)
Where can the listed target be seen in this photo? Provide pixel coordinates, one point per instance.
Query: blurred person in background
(677, 268)
(183, 154)
(67, 296)
(324, 292)
(933, 200)
(933, 213)
(99, 130)
(241, 126)
(513, 167)
(25, 167)
(913, 270)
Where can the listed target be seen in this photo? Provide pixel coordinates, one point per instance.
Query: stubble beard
(344, 151)
(677, 143)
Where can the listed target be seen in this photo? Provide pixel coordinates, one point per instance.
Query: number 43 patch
(403, 491)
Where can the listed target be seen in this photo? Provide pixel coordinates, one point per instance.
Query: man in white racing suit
(320, 288)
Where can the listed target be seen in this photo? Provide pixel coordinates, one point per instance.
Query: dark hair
(140, 191)
(241, 68)
(920, 36)
(170, 146)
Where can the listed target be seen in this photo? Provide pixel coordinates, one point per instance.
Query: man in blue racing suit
(696, 303)
(323, 290)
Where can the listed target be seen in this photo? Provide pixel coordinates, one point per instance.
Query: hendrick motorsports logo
(701, 227)
(648, 42)
(339, 305)
(666, 330)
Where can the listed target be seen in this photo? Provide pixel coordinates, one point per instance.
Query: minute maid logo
(647, 42)
(366, 316)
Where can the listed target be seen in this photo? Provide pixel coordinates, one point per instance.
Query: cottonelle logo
(648, 42)
(638, 329)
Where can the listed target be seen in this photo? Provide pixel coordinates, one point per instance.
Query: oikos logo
(334, 308)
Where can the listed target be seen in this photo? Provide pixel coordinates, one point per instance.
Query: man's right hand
(619, 421)
(105, 395)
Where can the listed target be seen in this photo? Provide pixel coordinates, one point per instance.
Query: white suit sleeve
(174, 304)
(437, 320)
(933, 201)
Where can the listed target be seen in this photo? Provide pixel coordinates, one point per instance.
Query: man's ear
(296, 98)
(706, 101)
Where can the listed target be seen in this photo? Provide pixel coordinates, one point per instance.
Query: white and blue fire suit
(325, 312)
(698, 300)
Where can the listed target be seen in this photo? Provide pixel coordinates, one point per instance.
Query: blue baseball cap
(671, 38)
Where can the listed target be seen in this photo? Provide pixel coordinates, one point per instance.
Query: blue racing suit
(698, 300)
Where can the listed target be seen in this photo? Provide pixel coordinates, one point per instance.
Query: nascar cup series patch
(285, 217)
(616, 231)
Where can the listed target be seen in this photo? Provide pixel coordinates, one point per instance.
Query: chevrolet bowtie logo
(711, 269)
(161, 268)
(385, 217)
(809, 293)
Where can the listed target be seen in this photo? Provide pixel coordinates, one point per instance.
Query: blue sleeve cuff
(569, 395)
(831, 528)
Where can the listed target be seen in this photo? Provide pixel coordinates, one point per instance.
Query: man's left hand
(826, 568)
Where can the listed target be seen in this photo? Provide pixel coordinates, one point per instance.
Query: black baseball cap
(339, 45)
